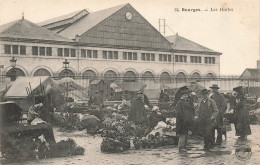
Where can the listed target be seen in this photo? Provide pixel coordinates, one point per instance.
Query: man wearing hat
(207, 112)
(178, 94)
(241, 115)
(183, 118)
(137, 112)
(222, 106)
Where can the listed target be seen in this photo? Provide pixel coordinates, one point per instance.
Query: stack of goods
(161, 135)
(117, 132)
(66, 148)
(68, 121)
(254, 116)
(37, 148)
(77, 108)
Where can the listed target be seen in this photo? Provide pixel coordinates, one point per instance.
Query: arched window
(148, 76)
(15, 71)
(181, 77)
(110, 75)
(42, 72)
(89, 74)
(210, 76)
(66, 73)
(129, 76)
(195, 76)
(165, 78)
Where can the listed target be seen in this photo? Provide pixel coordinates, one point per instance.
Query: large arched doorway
(89, 74)
(148, 76)
(110, 75)
(14, 73)
(210, 76)
(42, 72)
(66, 73)
(195, 77)
(129, 76)
(181, 77)
(165, 78)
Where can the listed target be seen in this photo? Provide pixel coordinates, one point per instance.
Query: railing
(155, 84)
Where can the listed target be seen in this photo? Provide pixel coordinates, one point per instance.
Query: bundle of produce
(66, 148)
(151, 141)
(22, 149)
(159, 128)
(112, 145)
(171, 121)
(68, 121)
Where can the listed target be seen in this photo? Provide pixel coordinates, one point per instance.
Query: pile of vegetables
(66, 148)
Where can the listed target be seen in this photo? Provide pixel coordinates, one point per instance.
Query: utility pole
(162, 26)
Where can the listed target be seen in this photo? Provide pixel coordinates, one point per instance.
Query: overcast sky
(234, 33)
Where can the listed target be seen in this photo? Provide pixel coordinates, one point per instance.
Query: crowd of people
(209, 114)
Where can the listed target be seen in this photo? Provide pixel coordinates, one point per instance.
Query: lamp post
(13, 73)
(66, 66)
(77, 37)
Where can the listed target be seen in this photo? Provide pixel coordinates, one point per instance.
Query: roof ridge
(47, 30)
(52, 20)
(34, 27)
(123, 5)
(110, 8)
(11, 24)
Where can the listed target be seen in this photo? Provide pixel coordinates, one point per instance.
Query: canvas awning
(69, 84)
(22, 86)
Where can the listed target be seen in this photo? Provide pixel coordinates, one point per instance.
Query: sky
(233, 33)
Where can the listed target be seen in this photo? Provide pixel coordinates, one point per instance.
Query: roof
(88, 22)
(60, 18)
(18, 89)
(180, 43)
(255, 73)
(24, 29)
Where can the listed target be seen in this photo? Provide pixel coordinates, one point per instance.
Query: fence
(153, 85)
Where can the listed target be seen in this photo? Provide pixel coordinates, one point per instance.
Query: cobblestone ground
(222, 155)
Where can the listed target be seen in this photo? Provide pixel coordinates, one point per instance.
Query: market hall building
(112, 44)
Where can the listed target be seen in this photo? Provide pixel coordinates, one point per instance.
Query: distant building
(251, 74)
(114, 43)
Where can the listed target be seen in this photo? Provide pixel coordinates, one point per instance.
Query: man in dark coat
(241, 115)
(137, 112)
(97, 100)
(183, 119)
(222, 106)
(208, 113)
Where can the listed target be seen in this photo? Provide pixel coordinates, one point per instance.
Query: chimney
(258, 64)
